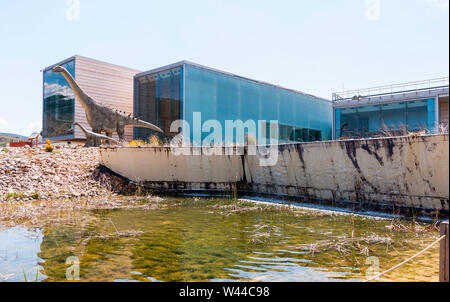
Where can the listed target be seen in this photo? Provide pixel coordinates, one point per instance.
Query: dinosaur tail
(143, 124)
(79, 126)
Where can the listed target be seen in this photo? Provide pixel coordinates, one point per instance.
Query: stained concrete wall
(411, 172)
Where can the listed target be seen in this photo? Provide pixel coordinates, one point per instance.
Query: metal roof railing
(361, 94)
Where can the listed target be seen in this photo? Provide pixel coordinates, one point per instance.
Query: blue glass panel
(158, 100)
(417, 118)
(337, 123)
(224, 97)
(377, 120)
(393, 116)
(431, 115)
(59, 103)
(349, 123)
(369, 120)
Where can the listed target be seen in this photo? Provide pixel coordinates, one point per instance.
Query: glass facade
(178, 93)
(373, 120)
(219, 96)
(158, 100)
(59, 103)
(287, 134)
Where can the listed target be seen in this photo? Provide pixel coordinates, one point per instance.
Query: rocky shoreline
(35, 183)
(28, 174)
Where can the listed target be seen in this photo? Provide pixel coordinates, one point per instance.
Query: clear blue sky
(314, 46)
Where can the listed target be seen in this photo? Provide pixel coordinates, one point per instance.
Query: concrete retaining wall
(411, 172)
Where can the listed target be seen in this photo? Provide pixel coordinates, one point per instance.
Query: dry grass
(401, 130)
(263, 232)
(112, 236)
(155, 141)
(345, 245)
(443, 128)
(397, 226)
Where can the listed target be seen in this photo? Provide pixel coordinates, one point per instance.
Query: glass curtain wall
(223, 97)
(59, 103)
(383, 119)
(159, 100)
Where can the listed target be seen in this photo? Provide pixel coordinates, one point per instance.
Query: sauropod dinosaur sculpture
(102, 118)
(95, 139)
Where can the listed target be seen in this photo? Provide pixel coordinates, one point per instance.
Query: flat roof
(390, 99)
(182, 63)
(82, 57)
(393, 89)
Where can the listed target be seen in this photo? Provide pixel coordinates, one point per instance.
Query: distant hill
(6, 138)
(13, 135)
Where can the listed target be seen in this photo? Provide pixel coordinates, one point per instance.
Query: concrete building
(108, 84)
(177, 91)
(397, 109)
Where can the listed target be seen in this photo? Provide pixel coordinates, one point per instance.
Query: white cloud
(3, 124)
(35, 126)
(442, 4)
(53, 89)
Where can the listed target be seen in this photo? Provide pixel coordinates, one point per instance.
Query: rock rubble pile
(67, 172)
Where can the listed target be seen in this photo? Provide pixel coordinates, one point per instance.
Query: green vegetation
(15, 196)
(25, 276)
(20, 196)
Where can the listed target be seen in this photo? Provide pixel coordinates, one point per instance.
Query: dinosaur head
(58, 69)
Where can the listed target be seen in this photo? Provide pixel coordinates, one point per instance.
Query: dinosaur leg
(121, 133)
(96, 141)
(108, 134)
(88, 142)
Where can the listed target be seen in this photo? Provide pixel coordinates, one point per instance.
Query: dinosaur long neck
(81, 96)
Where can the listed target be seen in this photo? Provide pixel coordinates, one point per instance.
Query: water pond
(213, 240)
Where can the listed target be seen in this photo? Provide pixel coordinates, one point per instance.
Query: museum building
(180, 90)
(106, 83)
(174, 92)
(392, 110)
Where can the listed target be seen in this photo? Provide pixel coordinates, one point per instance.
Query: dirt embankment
(28, 174)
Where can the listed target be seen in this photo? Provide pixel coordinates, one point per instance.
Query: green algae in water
(209, 241)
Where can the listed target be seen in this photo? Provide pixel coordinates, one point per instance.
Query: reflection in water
(18, 255)
(199, 243)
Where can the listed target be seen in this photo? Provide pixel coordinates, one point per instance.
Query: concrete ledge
(402, 172)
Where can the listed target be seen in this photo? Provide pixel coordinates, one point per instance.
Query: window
(219, 96)
(289, 134)
(159, 98)
(59, 103)
(384, 119)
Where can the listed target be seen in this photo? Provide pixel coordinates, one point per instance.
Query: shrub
(48, 146)
(133, 144)
(155, 141)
